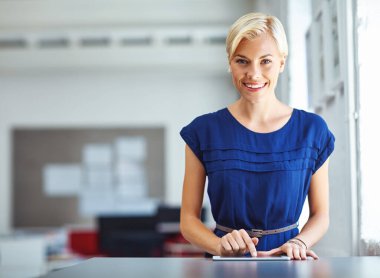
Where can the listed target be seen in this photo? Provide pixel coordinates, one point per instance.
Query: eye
(241, 61)
(266, 61)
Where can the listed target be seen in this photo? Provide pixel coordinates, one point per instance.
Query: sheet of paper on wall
(96, 202)
(127, 171)
(101, 177)
(131, 179)
(62, 179)
(127, 192)
(131, 147)
(97, 154)
(137, 206)
(93, 202)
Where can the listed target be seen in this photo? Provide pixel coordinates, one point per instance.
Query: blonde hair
(252, 25)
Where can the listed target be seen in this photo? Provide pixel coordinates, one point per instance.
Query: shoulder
(207, 121)
(202, 131)
(314, 130)
(312, 121)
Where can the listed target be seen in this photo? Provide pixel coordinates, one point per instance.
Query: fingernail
(255, 254)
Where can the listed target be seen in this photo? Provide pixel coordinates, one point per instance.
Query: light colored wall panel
(74, 99)
(43, 13)
(336, 104)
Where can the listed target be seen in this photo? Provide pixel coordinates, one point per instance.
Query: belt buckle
(257, 232)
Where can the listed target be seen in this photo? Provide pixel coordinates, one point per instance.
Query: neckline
(292, 116)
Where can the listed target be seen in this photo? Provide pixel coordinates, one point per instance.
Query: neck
(258, 112)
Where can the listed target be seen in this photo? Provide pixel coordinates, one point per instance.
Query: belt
(258, 232)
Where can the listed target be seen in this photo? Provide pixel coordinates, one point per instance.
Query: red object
(178, 246)
(84, 242)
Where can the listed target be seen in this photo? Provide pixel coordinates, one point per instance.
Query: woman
(262, 157)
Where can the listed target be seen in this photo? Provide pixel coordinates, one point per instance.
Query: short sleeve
(189, 135)
(326, 148)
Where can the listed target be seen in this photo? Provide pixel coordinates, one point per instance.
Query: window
(368, 19)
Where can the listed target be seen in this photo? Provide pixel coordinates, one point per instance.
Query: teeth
(256, 86)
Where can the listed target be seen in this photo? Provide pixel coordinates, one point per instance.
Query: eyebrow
(242, 56)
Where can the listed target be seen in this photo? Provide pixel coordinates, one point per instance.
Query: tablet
(272, 258)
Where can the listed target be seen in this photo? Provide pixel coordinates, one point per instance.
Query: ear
(282, 63)
(229, 67)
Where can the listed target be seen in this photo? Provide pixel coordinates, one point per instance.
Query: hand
(237, 243)
(292, 250)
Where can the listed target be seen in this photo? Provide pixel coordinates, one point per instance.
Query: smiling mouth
(254, 87)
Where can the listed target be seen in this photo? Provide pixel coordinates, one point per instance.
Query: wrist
(218, 248)
(299, 242)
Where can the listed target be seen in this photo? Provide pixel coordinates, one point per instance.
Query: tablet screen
(272, 258)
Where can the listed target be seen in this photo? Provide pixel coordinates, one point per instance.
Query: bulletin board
(52, 166)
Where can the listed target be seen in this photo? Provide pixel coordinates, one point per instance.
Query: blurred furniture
(129, 236)
(156, 235)
(22, 256)
(84, 242)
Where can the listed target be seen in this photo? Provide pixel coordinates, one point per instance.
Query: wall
(103, 88)
(120, 98)
(338, 110)
(299, 19)
(34, 199)
(73, 88)
(46, 14)
(338, 240)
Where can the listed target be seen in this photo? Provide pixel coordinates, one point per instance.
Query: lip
(254, 89)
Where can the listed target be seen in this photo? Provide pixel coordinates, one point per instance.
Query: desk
(355, 267)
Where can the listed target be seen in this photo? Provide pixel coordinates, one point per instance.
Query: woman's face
(255, 67)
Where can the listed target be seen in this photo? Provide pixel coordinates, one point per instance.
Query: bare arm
(318, 221)
(192, 198)
(192, 228)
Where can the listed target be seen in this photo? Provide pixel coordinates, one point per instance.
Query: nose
(253, 72)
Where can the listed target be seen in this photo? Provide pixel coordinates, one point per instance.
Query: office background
(153, 66)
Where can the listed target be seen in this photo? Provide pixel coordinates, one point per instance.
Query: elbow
(183, 227)
(324, 222)
(327, 222)
(187, 226)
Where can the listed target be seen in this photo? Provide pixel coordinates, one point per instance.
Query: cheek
(234, 80)
(273, 74)
(237, 75)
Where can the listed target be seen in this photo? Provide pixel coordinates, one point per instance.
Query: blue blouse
(259, 180)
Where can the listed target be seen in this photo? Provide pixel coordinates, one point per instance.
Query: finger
(296, 253)
(233, 243)
(289, 252)
(266, 253)
(255, 240)
(275, 251)
(226, 246)
(249, 243)
(263, 254)
(269, 253)
(303, 254)
(239, 240)
(312, 254)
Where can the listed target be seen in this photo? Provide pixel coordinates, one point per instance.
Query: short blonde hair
(253, 25)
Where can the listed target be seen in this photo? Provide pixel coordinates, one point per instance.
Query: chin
(254, 98)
